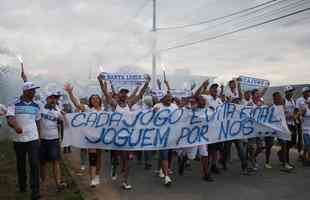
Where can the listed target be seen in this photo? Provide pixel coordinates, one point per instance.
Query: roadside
(8, 189)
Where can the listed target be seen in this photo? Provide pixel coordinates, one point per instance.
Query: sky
(67, 38)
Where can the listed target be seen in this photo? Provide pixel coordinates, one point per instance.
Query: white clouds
(70, 36)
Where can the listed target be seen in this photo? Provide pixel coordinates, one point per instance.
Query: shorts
(164, 154)
(306, 138)
(192, 152)
(293, 130)
(49, 150)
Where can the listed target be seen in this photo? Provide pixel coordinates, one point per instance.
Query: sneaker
(170, 172)
(246, 172)
(83, 168)
(126, 186)
(161, 174)
(93, 183)
(113, 174)
(288, 167)
(208, 179)
(167, 181)
(97, 179)
(268, 166)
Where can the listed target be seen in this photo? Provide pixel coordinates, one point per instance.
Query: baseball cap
(214, 85)
(305, 89)
(123, 89)
(51, 94)
(29, 86)
(289, 88)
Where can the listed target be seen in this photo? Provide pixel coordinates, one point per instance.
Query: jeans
(30, 150)
(241, 150)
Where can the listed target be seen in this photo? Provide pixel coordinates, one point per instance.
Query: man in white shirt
(213, 101)
(24, 117)
(301, 101)
(301, 106)
(50, 140)
(289, 111)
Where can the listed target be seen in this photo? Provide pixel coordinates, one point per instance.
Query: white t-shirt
(306, 122)
(230, 94)
(26, 114)
(213, 102)
(50, 118)
(247, 102)
(301, 103)
(289, 107)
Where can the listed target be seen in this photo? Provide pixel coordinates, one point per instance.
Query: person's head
(256, 94)
(213, 89)
(232, 84)
(29, 91)
(123, 94)
(247, 95)
(306, 92)
(94, 101)
(148, 101)
(51, 99)
(277, 98)
(193, 101)
(167, 99)
(289, 92)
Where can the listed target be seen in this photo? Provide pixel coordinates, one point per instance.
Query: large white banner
(166, 129)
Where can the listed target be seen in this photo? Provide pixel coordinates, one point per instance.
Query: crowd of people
(39, 126)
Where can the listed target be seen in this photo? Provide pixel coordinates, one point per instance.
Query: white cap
(50, 94)
(29, 86)
(124, 89)
(305, 89)
(288, 88)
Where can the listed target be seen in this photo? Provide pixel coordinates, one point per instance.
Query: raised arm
(134, 93)
(104, 89)
(23, 74)
(136, 98)
(239, 88)
(167, 85)
(69, 89)
(202, 88)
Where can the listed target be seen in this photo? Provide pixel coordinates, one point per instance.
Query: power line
(276, 11)
(235, 31)
(233, 19)
(217, 18)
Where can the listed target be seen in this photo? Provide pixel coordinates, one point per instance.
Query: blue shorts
(49, 150)
(306, 138)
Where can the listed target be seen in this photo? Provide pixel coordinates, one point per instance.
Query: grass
(8, 189)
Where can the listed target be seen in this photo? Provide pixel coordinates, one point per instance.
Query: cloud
(68, 38)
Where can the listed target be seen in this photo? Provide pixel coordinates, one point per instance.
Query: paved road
(266, 184)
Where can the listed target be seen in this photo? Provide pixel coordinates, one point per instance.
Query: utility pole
(154, 47)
